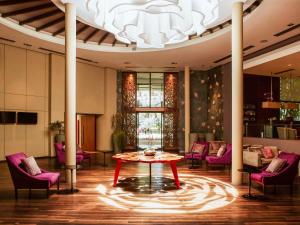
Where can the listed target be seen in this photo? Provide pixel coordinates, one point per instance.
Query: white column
(187, 114)
(237, 92)
(70, 96)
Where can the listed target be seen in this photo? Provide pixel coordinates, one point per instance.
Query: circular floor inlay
(197, 194)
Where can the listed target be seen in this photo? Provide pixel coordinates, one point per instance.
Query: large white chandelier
(153, 23)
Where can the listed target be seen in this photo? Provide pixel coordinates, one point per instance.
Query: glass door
(149, 130)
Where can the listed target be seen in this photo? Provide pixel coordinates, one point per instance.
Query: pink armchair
(60, 155)
(283, 177)
(194, 156)
(23, 180)
(225, 159)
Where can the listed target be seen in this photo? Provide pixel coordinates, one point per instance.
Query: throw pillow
(198, 148)
(215, 145)
(221, 151)
(268, 153)
(276, 165)
(31, 166)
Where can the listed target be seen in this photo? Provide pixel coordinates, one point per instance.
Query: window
(150, 89)
(290, 92)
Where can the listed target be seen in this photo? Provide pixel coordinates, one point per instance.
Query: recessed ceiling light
(263, 41)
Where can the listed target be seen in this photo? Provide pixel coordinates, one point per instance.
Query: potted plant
(118, 135)
(58, 127)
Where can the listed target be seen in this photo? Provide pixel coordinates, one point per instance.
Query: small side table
(105, 151)
(193, 166)
(250, 170)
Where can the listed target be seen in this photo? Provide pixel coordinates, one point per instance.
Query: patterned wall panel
(207, 102)
(198, 92)
(215, 103)
(171, 111)
(180, 106)
(128, 108)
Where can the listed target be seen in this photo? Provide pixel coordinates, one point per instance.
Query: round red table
(139, 157)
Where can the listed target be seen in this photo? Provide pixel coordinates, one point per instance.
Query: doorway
(86, 132)
(149, 130)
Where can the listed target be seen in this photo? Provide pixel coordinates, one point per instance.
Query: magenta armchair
(225, 159)
(60, 155)
(283, 177)
(194, 156)
(23, 180)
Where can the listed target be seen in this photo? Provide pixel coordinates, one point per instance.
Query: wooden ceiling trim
(41, 16)
(82, 29)
(91, 35)
(27, 10)
(51, 23)
(14, 2)
(59, 31)
(103, 38)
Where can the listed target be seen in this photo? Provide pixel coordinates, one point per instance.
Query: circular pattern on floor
(197, 194)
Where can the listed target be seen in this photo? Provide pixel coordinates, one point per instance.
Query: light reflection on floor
(197, 194)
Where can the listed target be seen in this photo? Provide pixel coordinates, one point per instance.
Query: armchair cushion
(259, 176)
(50, 176)
(198, 148)
(31, 166)
(221, 151)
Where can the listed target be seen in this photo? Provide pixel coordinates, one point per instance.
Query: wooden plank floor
(98, 202)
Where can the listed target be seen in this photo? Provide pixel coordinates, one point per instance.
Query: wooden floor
(132, 202)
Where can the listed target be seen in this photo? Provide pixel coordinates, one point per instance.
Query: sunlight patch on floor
(197, 194)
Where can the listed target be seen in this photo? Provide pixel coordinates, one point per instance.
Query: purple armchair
(60, 155)
(23, 180)
(284, 177)
(197, 156)
(225, 159)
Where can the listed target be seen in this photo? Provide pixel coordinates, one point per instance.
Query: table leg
(117, 172)
(72, 188)
(150, 174)
(175, 174)
(249, 191)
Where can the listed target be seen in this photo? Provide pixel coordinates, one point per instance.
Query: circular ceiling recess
(111, 26)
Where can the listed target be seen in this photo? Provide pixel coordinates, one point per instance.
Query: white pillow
(31, 166)
(221, 151)
(276, 165)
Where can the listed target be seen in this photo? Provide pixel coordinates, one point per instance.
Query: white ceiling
(291, 62)
(271, 17)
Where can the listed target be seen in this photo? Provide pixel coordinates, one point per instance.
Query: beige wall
(37, 84)
(103, 122)
(96, 94)
(24, 87)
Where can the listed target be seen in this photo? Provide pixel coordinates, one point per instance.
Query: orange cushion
(268, 153)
